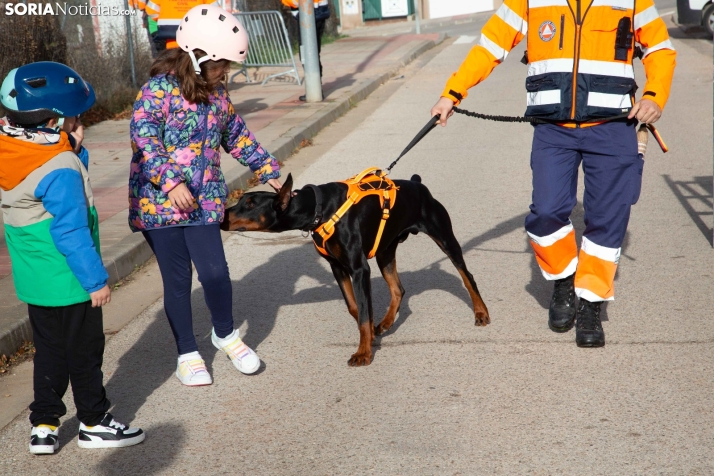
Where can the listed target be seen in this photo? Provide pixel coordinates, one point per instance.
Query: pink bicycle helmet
(215, 31)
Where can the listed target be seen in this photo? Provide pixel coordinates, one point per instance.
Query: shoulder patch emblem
(546, 30)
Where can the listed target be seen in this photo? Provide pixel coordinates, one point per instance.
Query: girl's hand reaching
(181, 198)
(275, 183)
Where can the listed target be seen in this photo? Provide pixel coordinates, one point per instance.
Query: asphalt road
(442, 396)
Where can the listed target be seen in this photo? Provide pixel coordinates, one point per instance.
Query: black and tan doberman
(414, 211)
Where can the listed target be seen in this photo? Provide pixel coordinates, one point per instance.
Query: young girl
(176, 188)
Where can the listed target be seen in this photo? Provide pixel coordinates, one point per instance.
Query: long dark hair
(194, 88)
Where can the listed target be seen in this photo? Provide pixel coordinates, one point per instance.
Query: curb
(122, 258)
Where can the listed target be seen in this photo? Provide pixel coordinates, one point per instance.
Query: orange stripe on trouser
(596, 275)
(555, 258)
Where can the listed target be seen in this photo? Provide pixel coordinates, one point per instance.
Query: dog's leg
(343, 280)
(363, 295)
(387, 262)
(437, 225)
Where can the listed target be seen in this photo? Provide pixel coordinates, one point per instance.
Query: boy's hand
(444, 108)
(181, 197)
(275, 183)
(73, 126)
(101, 297)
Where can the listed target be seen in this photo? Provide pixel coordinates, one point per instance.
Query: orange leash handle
(658, 138)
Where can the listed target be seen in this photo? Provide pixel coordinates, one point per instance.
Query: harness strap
(327, 229)
(382, 223)
(371, 181)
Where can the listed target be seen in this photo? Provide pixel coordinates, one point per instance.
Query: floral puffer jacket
(175, 141)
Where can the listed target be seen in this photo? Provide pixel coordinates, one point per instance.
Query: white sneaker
(191, 370)
(109, 433)
(243, 357)
(44, 440)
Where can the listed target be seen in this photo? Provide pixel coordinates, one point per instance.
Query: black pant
(175, 248)
(69, 343)
(320, 30)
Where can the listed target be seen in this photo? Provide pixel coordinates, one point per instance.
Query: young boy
(52, 234)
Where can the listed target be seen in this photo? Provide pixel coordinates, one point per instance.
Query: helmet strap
(197, 63)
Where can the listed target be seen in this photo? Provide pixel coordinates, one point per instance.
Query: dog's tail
(415, 178)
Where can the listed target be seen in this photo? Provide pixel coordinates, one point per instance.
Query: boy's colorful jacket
(175, 141)
(51, 225)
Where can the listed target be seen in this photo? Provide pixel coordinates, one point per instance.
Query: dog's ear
(282, 199)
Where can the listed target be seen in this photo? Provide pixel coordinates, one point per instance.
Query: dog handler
(182, 115)
(579, 57)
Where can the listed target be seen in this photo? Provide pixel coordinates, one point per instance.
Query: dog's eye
(249, 205)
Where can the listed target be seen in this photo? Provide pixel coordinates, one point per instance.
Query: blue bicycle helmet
(37, 92)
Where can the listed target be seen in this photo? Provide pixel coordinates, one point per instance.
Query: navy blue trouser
(613, 177)
(175, 248)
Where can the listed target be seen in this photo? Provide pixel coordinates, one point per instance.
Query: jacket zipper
(562, 31)
(576, 60)
(203, 162)
(576, 53)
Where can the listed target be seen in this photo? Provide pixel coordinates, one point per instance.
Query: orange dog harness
(372, 181)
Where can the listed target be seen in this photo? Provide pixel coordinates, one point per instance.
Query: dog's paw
(382, 327)
(482, 319)
(360, 360)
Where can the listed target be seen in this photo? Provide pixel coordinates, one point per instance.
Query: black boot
(588, 331)
(561, 312)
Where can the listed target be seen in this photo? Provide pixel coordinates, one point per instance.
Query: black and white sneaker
(109, 433)
(43, 440)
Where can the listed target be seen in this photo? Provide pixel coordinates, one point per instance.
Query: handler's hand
(101, 297)
(646, 111)
(181, 197)
(444, 107)
(275, 183)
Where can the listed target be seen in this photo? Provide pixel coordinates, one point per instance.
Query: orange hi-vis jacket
(577, 70)
(138, 4)
(168, 14)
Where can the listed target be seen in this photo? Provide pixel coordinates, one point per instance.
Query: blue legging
(175, 248)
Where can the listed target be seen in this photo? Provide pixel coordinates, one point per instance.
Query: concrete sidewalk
(353, 68)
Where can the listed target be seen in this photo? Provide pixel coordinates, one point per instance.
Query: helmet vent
(235, 29)
(37, 82)
(221, 17)
(13, 93)
(185, 19)
(181, 28)
(242, 52)
(204, 11)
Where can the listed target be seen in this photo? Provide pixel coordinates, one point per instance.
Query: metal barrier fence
(269, 45)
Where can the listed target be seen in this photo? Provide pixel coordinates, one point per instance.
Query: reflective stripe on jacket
(572, 72)
(168, 14)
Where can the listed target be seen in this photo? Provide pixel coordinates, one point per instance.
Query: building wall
(449, 8)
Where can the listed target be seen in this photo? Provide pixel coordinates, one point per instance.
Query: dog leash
(420, 135)
(535, 120)
(523, 119)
